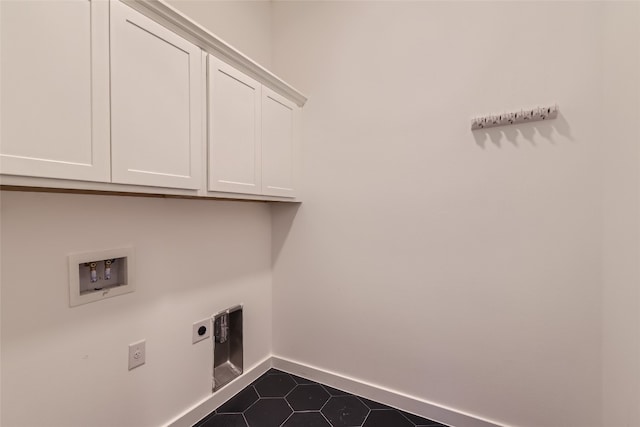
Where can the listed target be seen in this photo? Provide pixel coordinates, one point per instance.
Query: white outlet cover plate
(194, 334)
(137, 354)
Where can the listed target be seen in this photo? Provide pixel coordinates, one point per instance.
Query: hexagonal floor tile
(386, 418)
(279, 399)
(240, 402)
(268, 413)
(276, 385)
(306, 419)
(307, 397)
(345, 411)
(225, 420)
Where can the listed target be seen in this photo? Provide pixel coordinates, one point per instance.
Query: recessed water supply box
(100, 274)
(227, 346)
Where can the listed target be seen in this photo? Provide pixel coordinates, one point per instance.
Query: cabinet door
(55, 89)
(279, 135)
(155, 103)
(234, 130)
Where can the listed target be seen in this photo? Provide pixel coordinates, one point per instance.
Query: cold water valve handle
(107, 269)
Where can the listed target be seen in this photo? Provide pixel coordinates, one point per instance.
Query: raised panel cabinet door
(234, 130)
(54, 89)
(156, 109)
(280, 118)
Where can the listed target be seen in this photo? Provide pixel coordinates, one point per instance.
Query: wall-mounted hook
(514, 117)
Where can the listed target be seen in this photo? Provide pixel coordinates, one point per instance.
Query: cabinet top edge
(213, 44)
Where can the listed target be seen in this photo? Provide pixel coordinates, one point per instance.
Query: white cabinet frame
(235, 147)
(146, 134)
(280, 145)
(65, 165)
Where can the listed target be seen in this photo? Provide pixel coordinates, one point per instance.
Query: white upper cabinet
(132, 97)
(55, 89)
(156, 107)
(252, 135)
(279, 150)
(234, 130)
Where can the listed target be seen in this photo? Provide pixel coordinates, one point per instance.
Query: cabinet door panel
(55, 101)
(279, 121)
(156, 103)
(234, 133)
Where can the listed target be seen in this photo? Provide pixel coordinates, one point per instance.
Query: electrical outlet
(137, 354)
(201, 330)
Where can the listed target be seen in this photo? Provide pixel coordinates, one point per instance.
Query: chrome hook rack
(548, 112)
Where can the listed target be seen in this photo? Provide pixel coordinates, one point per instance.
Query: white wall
(66, 366)
(621, 291)
(245, 24)
(461, 268)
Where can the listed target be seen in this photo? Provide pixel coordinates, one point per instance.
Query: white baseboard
(211, 403)
(396, 399)
(411, 404)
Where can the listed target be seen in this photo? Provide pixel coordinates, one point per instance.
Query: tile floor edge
(411, 404)
(402, 401)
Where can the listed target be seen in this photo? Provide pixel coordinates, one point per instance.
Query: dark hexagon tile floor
(345, 411)
(278, 399)
(307, 397)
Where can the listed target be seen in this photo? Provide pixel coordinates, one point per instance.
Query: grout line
(366, 418)
(257, 400)
(286, 419)
(291, 391)
(326, 419)
(407, 418)
(325, 403)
